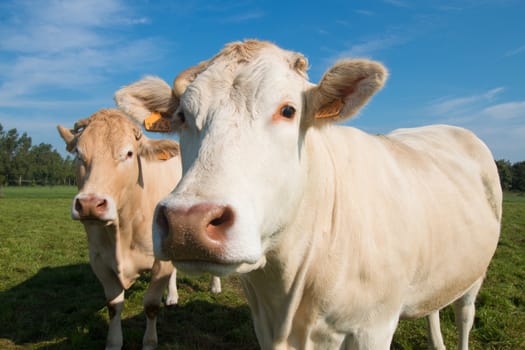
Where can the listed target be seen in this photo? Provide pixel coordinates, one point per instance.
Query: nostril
(102, 205)
(225, 218)
(78, 205)
(221, 220)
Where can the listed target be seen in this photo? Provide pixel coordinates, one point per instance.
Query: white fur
(350, 231)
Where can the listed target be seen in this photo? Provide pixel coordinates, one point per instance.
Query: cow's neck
(105, 249)
(281, 294)
(129, 242)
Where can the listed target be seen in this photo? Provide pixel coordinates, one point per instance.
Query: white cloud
(243, 17)
(500, 125)
(364, 12)
(369, 47)
(459, 105)
(65, 45)
(397, 3)
(506, 111)
(515, 51)
(53, 26)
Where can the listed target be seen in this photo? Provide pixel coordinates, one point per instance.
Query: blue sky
(458, 62)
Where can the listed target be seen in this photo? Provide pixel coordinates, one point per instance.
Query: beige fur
(121, 249)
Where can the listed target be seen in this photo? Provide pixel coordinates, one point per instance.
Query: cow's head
(242, 117)
(109, 148)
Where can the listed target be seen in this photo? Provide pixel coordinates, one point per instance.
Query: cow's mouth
(217, 268)
(88, 220)
(199, 267)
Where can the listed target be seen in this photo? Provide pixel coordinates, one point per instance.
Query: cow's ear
(158, 149)
(68, 136)
(147, 97)
(181, 82)
(345, 88)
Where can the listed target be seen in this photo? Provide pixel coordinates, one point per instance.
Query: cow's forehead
(252, 59)
(246, 78)
(108, 130)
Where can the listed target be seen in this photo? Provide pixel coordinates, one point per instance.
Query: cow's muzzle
(92, 206)
(197, 233)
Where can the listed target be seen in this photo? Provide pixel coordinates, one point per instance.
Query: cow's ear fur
(68, 136)
(185, 78)
(151, 94)
(158, 149)
(345, 88)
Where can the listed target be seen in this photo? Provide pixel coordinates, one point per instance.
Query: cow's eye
(288, 112)
(129, 154)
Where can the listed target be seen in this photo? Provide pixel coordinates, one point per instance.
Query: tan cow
(338, 234)
(121, 175)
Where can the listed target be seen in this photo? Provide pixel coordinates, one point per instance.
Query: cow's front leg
(434, 331)
(215, 285)
(114, 338)
(173, 294)
(114, 301)
(160, 277)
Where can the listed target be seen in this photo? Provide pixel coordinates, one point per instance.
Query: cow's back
(415, 216)
(458, 155)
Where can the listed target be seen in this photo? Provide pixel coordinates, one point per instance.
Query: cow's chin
(218, 269)
(98, 222)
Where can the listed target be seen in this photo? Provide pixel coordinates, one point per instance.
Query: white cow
(121, 176)
(338, 234)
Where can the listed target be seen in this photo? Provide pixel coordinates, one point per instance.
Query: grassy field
(50, 299)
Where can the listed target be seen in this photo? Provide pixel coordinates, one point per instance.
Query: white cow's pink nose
(195, 233)
(91, 206)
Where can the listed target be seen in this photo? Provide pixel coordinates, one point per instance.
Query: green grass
(40, 192)
(50, 299)
(513, 197)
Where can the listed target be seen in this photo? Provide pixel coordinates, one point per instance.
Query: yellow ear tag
(164, 155)
(157, 123)
(330, 110)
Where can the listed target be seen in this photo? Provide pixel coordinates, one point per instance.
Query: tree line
(23, 164)
(511, 176)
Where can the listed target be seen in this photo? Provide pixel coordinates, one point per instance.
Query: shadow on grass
(200, 324)
(58, 304)
(64, 308)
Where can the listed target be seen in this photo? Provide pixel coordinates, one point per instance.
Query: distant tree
(505, 174)
(21, 162)
(518, 176)
(3, 155)
(14, 149)
(67, 173)
(24, 164)
(47, 165)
